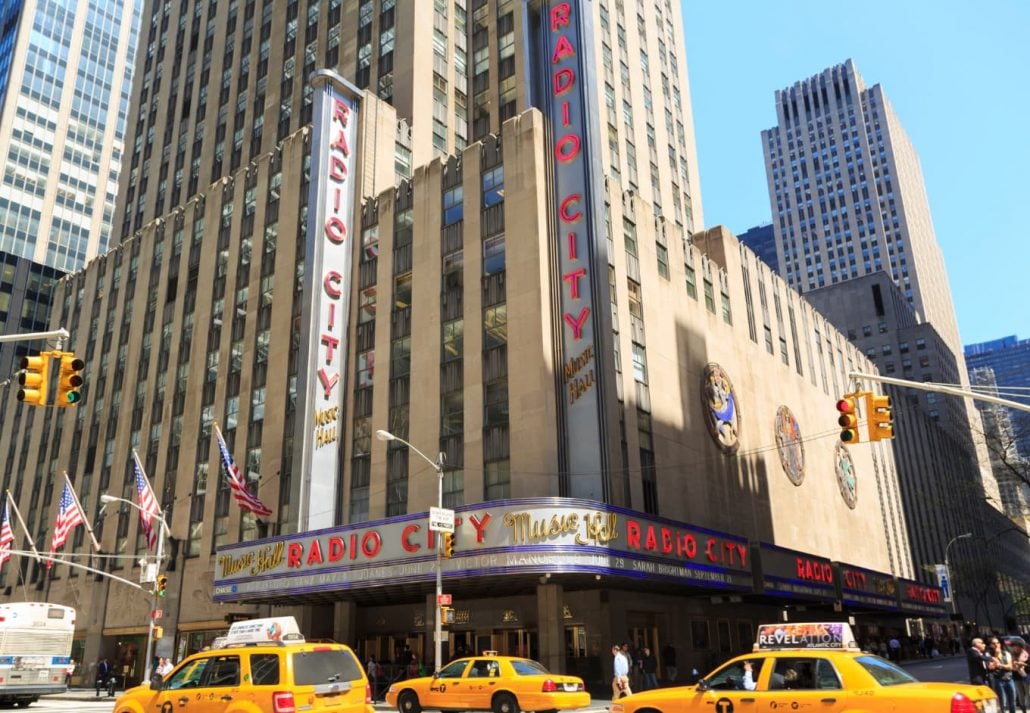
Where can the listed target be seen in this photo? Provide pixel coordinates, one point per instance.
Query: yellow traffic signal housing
(159, 631)
(69, 381)
(881, 419)
(448, 545)
(446, 615)
(34, 378)
(848, 409)
(160, 585)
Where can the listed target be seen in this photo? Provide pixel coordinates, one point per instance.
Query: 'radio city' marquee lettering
(684, 544)
(812, 570)
(922, 593)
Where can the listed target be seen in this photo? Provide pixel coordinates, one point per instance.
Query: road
(950, 669)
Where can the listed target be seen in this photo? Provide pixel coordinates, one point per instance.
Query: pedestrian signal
(446, 615)
(159, 631)
(881, 420)
(35, 373)
(69, 381)
(848, 419)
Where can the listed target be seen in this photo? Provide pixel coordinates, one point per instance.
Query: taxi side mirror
(157, 682)
(702, 685)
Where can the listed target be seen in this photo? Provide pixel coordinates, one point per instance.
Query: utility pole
(940, 389)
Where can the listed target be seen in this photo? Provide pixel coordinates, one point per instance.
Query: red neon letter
(560, 16)
(331, 284)
(562, 49)
(564, 212)
(577, 323)
(573, 279)
(406, 542)
(567, 148)
(563, 80)
(293, 554)
(336, 230)
(336, 549)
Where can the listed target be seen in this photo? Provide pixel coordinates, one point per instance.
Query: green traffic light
(73, 397)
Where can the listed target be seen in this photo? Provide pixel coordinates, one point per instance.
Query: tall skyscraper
(847, 194)
(1008, 359)
(66, 74)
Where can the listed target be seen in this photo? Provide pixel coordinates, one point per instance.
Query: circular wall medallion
(789, 445)
(846, 478)
(721, 411)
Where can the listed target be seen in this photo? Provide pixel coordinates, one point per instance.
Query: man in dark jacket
(103, 673)
(980, 663)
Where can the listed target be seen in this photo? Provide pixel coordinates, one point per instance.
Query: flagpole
(85, 520)
(14, 506)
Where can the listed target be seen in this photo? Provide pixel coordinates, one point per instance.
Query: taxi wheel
(505, 703)
(407, 702)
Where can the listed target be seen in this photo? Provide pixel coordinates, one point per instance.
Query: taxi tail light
(368, 693)
(549, 686)
(960, 703)
(282, 702)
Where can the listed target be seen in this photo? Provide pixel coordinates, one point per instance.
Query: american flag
(148, 507)
(6, 536)
(244, 498)
(69, 516)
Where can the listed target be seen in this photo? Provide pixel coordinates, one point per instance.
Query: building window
(493, 186)
(453, 207)
(663, 261)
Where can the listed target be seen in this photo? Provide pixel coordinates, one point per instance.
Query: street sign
(443, 600)
(441, 520)
(444, 635)
(148, 573)
(156, 614)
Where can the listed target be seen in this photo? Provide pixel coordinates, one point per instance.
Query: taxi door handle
(747, 700)
(183, 701)
(828, 700)
(226, 697)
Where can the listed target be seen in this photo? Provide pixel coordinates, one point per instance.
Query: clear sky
(958, 76)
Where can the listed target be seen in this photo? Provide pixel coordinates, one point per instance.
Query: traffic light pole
(940, 389)
(153, 597)
(55, 334)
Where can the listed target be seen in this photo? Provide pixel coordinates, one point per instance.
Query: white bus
(35, 648)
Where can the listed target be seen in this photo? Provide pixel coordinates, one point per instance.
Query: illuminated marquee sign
(865, 587)
(327, 298)
(582, 283)
(536, 535)
(919, 598)
(795, 574)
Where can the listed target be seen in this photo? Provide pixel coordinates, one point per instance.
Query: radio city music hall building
(638, 422)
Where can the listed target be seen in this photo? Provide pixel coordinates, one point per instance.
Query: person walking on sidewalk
(103, 673)
(620, 670)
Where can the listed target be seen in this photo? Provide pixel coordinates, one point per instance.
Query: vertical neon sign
(581, 262)
(327, 287)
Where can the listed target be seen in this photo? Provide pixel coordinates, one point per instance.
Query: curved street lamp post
(947, 567)
(438, 464)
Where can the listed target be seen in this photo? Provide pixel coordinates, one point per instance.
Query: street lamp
(438, 467)
(947, 567)
(162, 531)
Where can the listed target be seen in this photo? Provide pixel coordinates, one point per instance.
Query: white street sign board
(441, 520)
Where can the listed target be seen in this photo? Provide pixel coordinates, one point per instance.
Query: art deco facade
(715, 375)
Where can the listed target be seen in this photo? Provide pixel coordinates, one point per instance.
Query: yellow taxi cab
(262, 666)
(502, 684)
(811, 667)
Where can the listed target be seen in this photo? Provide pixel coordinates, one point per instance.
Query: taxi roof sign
(271, 629)
(828, 635)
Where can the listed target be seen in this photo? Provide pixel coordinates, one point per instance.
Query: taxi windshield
(527, 667)
(885, 673)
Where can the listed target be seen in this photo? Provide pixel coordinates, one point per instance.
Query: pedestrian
(373, 676)
(68, 671)
(1020, 660)
(1001, 676)
(979, 662)
(894, 647)
(620, 674)
(669, 661)
(650, 667)
(164, 667)
(103, 673)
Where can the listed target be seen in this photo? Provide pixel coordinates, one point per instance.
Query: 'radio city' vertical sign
(327, 288)
(581, 262)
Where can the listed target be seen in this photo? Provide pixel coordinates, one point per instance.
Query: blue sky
(958, 75)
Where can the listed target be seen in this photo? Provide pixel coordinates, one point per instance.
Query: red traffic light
(848, 420)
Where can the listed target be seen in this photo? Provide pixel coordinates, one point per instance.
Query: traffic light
(34, 376)
(160, 585)
(881, 420)
(446, 615)
(448, 545)
(159, 631)
(69, 380)
(848, 419)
